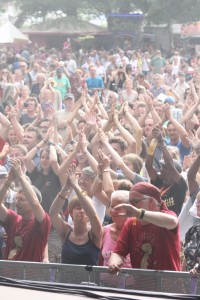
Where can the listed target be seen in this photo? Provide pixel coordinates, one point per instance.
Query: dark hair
(36, 130)
(81, 121)
(21, 147)
(34, 99)
(37, 192)
(43, 120)
(169, 123)
(124, 185)
(123, 145)
(140, 75)
(186, 93)
(135, 160)
(46, 149)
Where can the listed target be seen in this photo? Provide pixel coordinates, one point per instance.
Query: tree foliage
(156, 11)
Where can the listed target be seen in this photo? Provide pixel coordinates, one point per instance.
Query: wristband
(81, 192)
(141, 214)
(51, 144)
(106, 170)
(61, 197)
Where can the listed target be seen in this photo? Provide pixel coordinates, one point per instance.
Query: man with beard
(150, 235)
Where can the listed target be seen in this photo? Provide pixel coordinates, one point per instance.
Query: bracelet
(81, 192)
(51, 144)
(61, 197)
(141, 213)
(72, 142)
(106, 170)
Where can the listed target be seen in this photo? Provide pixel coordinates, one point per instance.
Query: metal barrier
(134, 279)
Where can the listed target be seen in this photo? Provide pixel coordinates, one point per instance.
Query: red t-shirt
(150, 246)
(26, 238)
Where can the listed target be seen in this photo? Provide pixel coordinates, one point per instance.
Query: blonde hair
(135, 160)
(174, 152)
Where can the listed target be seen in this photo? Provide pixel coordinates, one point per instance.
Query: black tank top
(86, 254)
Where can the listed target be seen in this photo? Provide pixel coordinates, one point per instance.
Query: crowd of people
(100, 158)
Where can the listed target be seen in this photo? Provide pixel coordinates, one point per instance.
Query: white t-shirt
(100, 208)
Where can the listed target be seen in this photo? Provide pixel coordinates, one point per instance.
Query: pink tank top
(108, 246)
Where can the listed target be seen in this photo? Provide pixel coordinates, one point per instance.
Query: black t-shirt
(25, 119)
(173, 195)
(49, 186)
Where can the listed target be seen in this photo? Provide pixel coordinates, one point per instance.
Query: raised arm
(128, 137)
(189, 114)
(18, 129)
(28, 191)
(149, 160)
(28, 159)
(193, 170)
(117, 158)
(5, 126)
(68, 160)
(181, 130)
(157, 218)
(61, 227)
(96, 228)
(3, 192)
(84, 146)
(103, 187)
(135, 125)
(152, 110)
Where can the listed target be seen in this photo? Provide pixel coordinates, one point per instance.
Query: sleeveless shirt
(86, 254)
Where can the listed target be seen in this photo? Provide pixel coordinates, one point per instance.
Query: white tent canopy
(9, 34)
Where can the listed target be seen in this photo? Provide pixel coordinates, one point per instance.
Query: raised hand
(83, 142)
(115, 118)
(16, 167)
(102, 137)
(125, 210)
(167, 111)
(98, 121)
(91, 118)
(103, 160)
(11, 176)
(194, 140)
(69, 132)
(71, 172)
(157, 133)
(148, 101)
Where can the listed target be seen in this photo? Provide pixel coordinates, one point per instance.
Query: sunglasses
(136, 201)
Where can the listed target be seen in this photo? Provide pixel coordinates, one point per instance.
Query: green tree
(156, 11)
